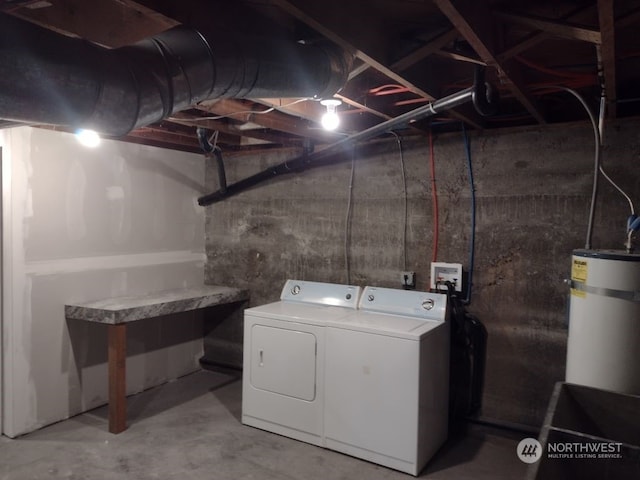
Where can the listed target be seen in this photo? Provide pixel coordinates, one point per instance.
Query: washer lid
(300, 312)
(386, 324)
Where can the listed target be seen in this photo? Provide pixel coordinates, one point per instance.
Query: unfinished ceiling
(406, 53)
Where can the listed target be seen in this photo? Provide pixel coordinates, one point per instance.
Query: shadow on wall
(150, 349)
(166, 171)
(223, 335)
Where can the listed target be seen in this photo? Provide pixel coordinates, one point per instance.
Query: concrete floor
(190, 429)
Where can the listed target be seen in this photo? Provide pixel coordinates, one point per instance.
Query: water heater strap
(632, 296)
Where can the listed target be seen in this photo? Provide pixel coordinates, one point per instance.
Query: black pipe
(222, 177)
(205, 144)
(48, 78)
(485, 97)
(479, 91)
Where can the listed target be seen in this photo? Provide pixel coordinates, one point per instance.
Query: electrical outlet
(442, 272)
(408, 280)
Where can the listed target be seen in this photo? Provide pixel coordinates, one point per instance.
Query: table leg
(117, 377)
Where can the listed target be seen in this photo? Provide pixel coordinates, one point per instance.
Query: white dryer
(283, 358)
(387, 379)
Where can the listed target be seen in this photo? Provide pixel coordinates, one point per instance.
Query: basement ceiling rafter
(363, 43)
(250, 112)
(113, 23)
(406, 54)
(349, 36)
(473, 21)
(415, 56)
(558, 29)
(539, 36)
(263, 135)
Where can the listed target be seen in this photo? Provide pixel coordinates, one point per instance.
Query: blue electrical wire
(472, 242)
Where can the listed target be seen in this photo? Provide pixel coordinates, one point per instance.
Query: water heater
(603, 349)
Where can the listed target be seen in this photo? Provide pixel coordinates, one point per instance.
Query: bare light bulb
(330, 120)
(88, 138)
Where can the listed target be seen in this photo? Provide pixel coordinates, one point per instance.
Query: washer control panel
(431, 306)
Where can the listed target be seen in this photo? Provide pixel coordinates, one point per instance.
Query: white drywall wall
(1, 330)
(83, 224)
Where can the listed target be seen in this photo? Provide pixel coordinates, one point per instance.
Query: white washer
(283, 358)
(387, 379)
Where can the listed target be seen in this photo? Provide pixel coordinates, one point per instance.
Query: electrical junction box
(408, 280)
(442, 272)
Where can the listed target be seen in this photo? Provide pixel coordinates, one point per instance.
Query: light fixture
(88, 138)
(330, 120)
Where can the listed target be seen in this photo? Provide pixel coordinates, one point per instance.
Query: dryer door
(283, 361)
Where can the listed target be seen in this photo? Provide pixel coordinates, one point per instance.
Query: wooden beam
(153, 142)
(8, 7)
(162, 132)
(113, 23)
(459, 57)
(244, 112)
(312, 110)
(162, 136)
(559, 29)
(321, 17)
(362, 106)
(414, 57)
(318, 17)
(363, 67)
(607, 53)
(307, 109)
(473, 20)
(183, 118)
(152, 14)
(424, 51)
(537, 37)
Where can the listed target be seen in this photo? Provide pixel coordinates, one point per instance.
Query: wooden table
(117, 312)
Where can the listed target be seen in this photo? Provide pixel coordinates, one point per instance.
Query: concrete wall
(80, 225)
(533, 187)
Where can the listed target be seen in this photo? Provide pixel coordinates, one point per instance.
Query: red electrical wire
(435, 198)
(387, 87)
(550, 71)
(411, 102)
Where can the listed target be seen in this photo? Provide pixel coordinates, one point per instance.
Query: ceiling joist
(473, 20)
(364, 46)
(558, 29)
(244, 112)
(423, 52)
(106, 22)
(406, 52)
(194, 121)
(539, 36)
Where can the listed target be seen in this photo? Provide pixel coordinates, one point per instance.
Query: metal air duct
(49, 78)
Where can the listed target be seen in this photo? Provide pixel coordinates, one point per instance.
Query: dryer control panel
(318, 293)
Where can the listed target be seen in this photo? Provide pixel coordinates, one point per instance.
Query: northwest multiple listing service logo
(530, 450)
